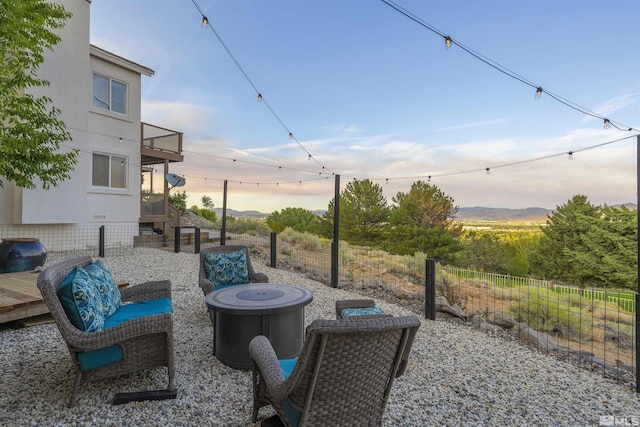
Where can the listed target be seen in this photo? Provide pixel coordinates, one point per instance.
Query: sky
(368, 93)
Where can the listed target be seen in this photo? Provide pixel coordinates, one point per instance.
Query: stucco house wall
(76, 203)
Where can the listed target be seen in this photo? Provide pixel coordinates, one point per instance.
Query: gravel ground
(457, 375)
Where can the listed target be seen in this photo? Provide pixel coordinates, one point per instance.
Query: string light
(447, 42)
(488, 171)
(607, 123)
(570, 153)
(205, 21)
(499, 67)
(538, 94)
(246, 76)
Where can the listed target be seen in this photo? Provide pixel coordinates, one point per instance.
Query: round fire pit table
(242, 312)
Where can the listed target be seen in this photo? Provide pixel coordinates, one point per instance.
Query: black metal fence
(594, 328)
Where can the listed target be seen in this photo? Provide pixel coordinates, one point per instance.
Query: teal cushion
(103, 280)
(227, 268)
(354, 312)
(92, 359)
(81, 301)
(287, 366)
(132, 311)
(293, 414)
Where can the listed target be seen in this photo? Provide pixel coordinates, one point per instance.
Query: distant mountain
(241, 214)
(503, 214)
(476, 212)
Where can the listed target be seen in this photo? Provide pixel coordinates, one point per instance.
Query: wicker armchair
(343, 375)
(208, 286)
(146, 341)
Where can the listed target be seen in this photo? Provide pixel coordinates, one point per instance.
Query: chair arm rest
(259, 278)
(140, 326)
(147, 291)
(266, 361)
(207, 286)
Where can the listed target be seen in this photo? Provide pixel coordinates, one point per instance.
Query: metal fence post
(273, 250)
(430, 289)
(176, 239)
(637, 342)
(101, 242)
(196, 243)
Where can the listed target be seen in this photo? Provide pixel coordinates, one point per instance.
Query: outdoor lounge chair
(343, 375)
(139, 335)
(210, 283)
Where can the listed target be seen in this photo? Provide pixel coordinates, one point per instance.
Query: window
(109, 171)
(109, 94)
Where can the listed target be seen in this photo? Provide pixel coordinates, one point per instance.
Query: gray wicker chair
(146, 342)
(208, 286)
(343, 375)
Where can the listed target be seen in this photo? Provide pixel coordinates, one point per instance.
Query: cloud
(613, 105)
(480, 123)
(195, 120)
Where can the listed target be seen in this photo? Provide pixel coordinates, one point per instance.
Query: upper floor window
(109, 94)
(109, 171)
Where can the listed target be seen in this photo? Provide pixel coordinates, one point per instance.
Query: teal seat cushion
(92, 359)
(227, 268)
(134, 310)
(103, 280)
(287, 366)
(81, 301)
(354, 312)
(293, 414)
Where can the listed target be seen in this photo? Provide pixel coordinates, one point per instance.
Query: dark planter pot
(21, 254)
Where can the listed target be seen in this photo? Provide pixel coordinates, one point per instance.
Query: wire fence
(594, 328)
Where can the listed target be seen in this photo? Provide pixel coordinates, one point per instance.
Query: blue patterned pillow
(103, 280)
(227, 268)
(81, 301)
(355, 312)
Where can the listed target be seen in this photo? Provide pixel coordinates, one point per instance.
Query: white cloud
(488, 122)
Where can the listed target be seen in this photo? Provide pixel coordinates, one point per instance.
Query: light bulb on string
(259, 97)
(447, 42)
(205, 21)
(488, 171)
(309, 157)
(290, 135)
(538, 94)
(570, 153)
(607, 123)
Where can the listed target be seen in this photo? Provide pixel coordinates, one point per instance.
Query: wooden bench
(20, 297)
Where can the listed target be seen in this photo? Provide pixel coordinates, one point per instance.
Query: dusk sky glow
(372, 94)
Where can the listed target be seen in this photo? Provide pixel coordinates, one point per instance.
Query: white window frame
(107, 104)
(112, 182)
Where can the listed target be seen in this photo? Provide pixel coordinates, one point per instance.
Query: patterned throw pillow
(103, 280)
(348, 313)
(81, 301)
(227, 268)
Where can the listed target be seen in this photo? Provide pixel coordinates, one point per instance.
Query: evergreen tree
(363, 214)
(564, 230)
(423, 221)
(608, 253)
